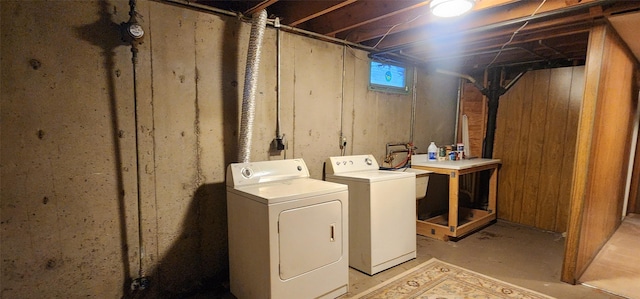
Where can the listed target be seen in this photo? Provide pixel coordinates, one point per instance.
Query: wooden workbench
(459, 220)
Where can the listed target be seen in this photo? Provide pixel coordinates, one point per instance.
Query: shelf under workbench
(459, 220)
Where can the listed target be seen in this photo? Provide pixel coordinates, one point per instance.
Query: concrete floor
(616, 268)
(517, 254)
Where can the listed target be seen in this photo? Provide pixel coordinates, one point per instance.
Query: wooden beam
(369, 12)
(497, 39)
(484, 4)
(298, 14)
(473, 42)
(457, 30)
(366, 12)
(260, 6)
(478, 18)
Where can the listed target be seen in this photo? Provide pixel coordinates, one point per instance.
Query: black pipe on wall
(493, 97)
(493, 94)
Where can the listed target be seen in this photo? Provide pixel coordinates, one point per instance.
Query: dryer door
(310, 237)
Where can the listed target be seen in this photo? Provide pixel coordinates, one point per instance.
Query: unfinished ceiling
(529, 34)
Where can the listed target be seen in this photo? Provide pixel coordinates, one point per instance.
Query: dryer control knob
(368, 161)
(246, 172)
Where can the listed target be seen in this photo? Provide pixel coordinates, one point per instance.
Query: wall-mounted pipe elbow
(464, 76)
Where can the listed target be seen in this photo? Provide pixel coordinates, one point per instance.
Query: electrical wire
(393, 27)
(342, 143)
(514, 34)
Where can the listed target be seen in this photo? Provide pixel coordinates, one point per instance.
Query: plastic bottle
(433, 151)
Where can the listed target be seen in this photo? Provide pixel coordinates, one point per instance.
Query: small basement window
(390, 77)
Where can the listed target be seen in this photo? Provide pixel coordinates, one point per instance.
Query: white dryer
(382, 212)
(287, 232)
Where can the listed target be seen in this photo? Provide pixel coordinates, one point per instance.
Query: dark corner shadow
(105, 34)
(230, 90)
(195, 266)
(197, 263)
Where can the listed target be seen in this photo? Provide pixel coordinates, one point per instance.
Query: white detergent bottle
(433, 151)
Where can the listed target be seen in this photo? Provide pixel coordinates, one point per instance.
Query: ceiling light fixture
(450, 8)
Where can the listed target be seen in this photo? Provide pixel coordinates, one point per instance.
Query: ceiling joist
(405, 28)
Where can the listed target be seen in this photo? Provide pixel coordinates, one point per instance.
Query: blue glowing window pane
(387, 75)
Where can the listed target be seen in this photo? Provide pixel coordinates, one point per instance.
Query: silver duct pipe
(414, 101)
(258, 26)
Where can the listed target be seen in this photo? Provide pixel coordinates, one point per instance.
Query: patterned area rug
(435, 279)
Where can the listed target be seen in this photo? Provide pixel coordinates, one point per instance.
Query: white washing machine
(287, 232)
(382, 212)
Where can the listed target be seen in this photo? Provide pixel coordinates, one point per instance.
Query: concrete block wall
(69, 208)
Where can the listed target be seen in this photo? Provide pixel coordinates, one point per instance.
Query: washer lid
(285, 190)
(372, 176)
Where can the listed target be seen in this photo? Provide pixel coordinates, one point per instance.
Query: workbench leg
(493, 190)
(454, 185)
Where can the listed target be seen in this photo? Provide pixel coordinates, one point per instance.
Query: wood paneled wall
(634, 190)
(535, 139)
(474, 105)
(604, 135)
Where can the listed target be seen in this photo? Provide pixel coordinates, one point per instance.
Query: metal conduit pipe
(414, 101)
(278, 74)
(250, 85)
(279, 141)
(271, 22)
(343, 138)
(464, 76)
(458, 100)
(203, 7)
(446, 57)
(513, 82)
(132, 33)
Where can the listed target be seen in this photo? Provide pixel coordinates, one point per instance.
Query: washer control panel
(342, 164)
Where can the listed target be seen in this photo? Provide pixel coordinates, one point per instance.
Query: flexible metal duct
(258, 26)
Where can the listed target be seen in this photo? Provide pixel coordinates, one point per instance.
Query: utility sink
(422, 180)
